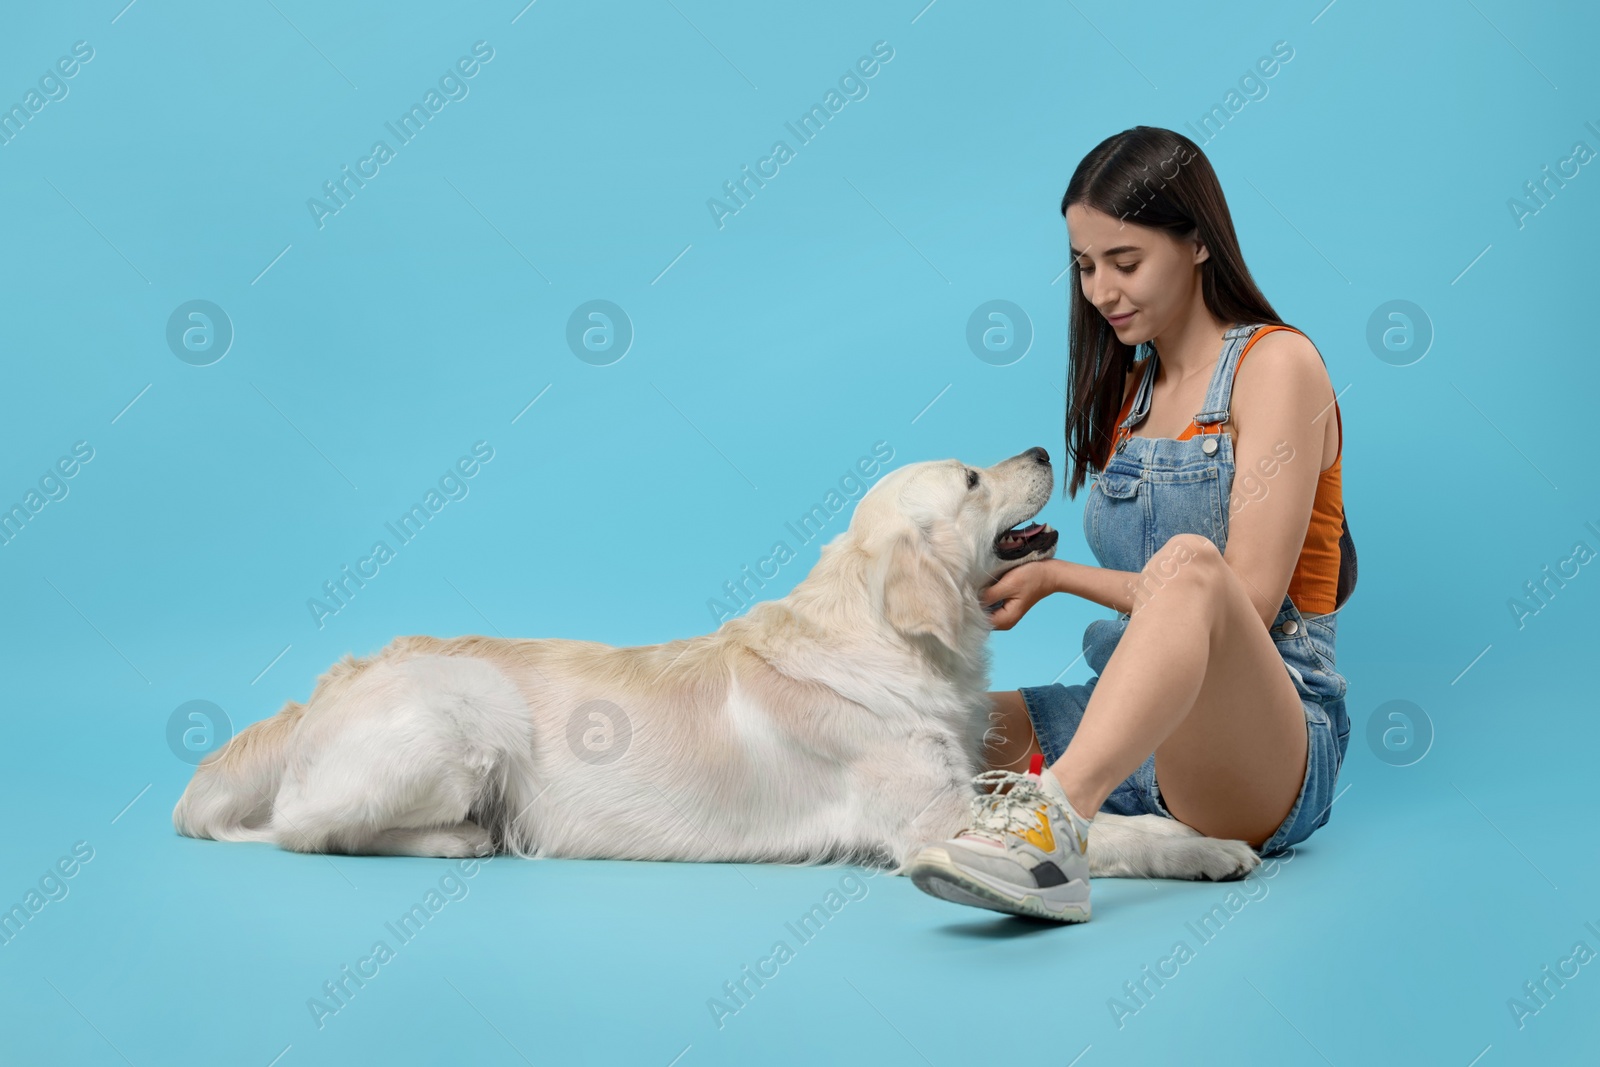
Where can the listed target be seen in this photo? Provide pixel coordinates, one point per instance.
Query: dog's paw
(895, 862)
(1150, 846)
(1225, 861)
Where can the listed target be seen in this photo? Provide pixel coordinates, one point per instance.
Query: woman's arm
(1106, 587)
(1020, 588)
(1282, 406)
(1281, 411)
(1282, 402)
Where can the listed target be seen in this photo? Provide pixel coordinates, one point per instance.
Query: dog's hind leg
(422, 816)
(395, 789)
(409, 766)
(419, 800)
(463, 841)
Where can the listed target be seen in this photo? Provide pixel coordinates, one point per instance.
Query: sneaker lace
(1013, 805)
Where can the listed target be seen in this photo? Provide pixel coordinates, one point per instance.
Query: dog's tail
(230, 796)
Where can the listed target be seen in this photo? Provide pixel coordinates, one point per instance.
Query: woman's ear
(920, 596)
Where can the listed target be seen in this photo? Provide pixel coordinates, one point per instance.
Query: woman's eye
(972, 479)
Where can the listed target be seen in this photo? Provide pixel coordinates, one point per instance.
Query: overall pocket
(1305, 647)
(1189, 501)
(1321, 632)
(1113, 520)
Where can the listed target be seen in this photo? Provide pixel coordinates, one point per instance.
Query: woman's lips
(1119, 320)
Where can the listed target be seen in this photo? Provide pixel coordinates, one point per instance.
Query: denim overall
(1151, 489)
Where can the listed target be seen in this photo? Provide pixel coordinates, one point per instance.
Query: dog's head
(940, 531)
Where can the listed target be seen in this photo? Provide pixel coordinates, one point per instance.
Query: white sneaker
(1024, 853)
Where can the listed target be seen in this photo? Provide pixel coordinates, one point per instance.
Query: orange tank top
(1314, 585)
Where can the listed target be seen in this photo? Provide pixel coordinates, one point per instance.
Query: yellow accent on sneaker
(1042, 837)
(1051, 785)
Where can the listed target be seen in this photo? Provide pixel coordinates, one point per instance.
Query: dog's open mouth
(1021, 540)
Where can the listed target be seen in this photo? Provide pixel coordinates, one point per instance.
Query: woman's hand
(1018, 589)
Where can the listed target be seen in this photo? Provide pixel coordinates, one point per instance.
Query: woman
(1217, 520)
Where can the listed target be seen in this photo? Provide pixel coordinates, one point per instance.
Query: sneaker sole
(936, 874)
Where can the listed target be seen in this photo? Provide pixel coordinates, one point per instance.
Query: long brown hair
(1129, 176)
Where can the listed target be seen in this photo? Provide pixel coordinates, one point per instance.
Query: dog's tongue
(1017, 537)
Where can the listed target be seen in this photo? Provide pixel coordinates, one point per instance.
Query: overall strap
(1141, 395)
(1219, 394)
(1234, 343)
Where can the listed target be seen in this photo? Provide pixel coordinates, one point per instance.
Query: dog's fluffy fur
(841, 723)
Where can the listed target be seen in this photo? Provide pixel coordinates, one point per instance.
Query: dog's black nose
(1039, 454)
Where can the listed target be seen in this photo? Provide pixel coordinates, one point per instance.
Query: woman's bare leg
(1196, 679)
(1011, 739)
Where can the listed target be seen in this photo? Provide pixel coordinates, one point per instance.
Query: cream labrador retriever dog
(842, 723)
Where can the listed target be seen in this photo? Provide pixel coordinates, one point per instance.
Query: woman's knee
(1184, 560)
(1190, 547)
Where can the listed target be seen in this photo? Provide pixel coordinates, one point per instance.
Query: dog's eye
(972, 479)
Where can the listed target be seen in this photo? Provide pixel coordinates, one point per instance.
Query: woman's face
(1140, 278)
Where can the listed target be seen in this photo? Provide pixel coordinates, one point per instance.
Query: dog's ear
(920, 596)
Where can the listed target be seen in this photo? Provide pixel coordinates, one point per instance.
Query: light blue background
(769, 355)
